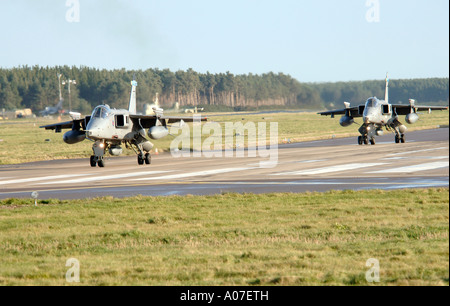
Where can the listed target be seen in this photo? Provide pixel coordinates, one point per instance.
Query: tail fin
(59, 106)
(132, 105)
(386, 95)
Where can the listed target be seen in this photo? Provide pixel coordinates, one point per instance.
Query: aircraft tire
(402, 139)
(93, 162)
(148, 159)
(372, 141)
(397, 139)
(366, 141)
(101, 163)
(140, 160)
(360, 140)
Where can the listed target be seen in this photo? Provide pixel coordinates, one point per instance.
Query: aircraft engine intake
(412, 118)
(346, 121)
(72, 137)
(158, 132)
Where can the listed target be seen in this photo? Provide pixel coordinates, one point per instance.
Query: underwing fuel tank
(412, 118)
(158, 132)
(72, 137)
(115, 151)
(346, 121)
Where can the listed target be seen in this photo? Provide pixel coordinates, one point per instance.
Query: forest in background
(37, 87)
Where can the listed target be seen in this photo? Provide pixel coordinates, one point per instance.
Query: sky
(313, 41)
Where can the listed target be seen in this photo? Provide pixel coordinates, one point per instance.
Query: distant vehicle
(377, 114)
(194, 110)
(110, 128)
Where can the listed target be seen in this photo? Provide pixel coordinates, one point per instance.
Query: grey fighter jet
(377, 114)
(52, 110)
(110, 128)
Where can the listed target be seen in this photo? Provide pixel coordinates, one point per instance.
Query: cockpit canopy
(372, 102)
(102, 111)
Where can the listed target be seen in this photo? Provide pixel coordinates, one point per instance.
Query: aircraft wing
(149, 121)
(402, 109)
(65, 125)
(354, 112)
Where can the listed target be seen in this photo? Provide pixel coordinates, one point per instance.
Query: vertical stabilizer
(132, 105)
(386, 95)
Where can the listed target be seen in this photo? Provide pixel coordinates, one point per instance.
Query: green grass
(23, 141)
(230, 239)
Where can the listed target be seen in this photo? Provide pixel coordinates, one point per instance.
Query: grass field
(230, 239)
(23, 141)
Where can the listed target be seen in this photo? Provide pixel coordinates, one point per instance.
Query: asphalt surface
(335, 164)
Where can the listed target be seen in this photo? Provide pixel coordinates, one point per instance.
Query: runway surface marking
(107, 177)
(416, 157)
(418, 151)
(339, 168)
(193, 174)
(45, 178)
(415, 168)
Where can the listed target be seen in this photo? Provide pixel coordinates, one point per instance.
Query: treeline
(37, 87)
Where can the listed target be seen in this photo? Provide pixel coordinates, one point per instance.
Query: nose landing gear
(99, 151)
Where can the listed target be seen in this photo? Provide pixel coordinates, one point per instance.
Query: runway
(336, 164)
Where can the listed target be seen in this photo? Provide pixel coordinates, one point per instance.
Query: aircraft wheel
(397, 139)
(93, 162)
(148, 159)
(402, 139)
(372, 141)
(360, 140)
(140, 160)
(101, 163)
(366, 141)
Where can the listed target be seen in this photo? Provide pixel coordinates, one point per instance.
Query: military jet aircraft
(377, 114)
(51, 110)
(110, 128)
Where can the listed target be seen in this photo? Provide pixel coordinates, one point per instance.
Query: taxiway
(335, 164)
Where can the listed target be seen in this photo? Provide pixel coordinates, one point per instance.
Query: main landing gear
(365, 140)
(144, 159)
(400, 138)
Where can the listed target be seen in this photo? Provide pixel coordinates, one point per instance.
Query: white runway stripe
(415, 168)
(331, 169)
(193, 174)
(418, 151)
(44, 178)
(106, 177)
